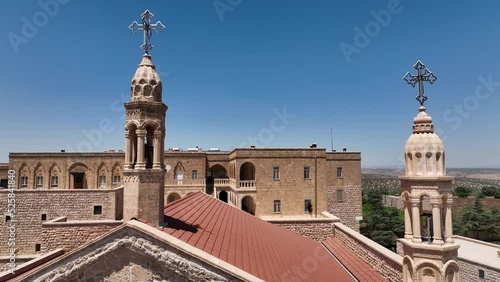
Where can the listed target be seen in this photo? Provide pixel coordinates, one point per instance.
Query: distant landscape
(387, 178)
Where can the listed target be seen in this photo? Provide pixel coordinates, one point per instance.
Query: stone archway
(173, 197)
(78, 176)
(223, 196)
(248, 205)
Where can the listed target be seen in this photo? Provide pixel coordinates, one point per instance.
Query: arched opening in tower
(223, 196)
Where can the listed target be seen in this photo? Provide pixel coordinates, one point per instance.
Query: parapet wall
(385, 262)
(318, 229)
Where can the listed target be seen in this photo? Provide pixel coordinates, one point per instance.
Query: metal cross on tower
(147, 27)
(423, 74)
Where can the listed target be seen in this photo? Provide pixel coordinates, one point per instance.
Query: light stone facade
(219, 171)
(430, 254)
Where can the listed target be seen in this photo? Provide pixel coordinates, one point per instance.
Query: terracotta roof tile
(359, 268)
(249, 243)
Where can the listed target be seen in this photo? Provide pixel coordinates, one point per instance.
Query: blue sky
(231, 68)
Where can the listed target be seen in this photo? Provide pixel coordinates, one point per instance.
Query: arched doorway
(248, 205)
(209, 189)
(78, 179)
(173, 197)
(223, 196)
(179, 174)
(247, 171)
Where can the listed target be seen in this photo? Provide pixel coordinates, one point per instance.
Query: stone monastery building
(251, 214)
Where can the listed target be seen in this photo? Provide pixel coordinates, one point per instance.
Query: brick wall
(72, 204)
(385, 262)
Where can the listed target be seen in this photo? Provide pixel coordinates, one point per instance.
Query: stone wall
(72, 204)
(469, 271)
(385, 262)
(67, 235)
(5, 262)
(318, 229)
(349, 207)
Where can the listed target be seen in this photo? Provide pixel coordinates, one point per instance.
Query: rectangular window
(307, 172)
(39, 181)
(116, 179)
(102, 181)
(276, 173)
(4, 183)
(340, 195)
(97, 210)
(339, 172)
(38, 247)
(7, 218)
(24, 181)
(481, 274)
(54, 181)
(194, 174)
(44, 216)
(308, 207)
(277, 206)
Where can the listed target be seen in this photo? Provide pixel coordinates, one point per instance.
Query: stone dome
(146, 84)
(424, 150)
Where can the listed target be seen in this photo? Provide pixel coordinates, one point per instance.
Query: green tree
(475, 219)
(489, 191)
(462, 192)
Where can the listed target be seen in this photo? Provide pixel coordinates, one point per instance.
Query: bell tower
(428, 248)
(144, 170)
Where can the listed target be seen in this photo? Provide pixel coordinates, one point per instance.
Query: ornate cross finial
(148, 28)
(423, 74)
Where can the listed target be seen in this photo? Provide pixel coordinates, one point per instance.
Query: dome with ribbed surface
(146, 84)
(424, 150)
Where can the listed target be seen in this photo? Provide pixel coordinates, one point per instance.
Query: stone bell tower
(144, 171)
(428, 248)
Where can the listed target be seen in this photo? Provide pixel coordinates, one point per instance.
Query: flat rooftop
(478, 251)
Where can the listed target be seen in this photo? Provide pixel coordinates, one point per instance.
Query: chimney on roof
(344, 149)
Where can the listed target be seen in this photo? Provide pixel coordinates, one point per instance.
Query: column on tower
(436, 220)
(407, 212)
(128, 149)
(448, 222)
(415, 208)
(158, 134)
(141, 133)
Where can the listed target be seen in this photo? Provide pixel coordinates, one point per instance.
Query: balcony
(187, 182)
(235, 184)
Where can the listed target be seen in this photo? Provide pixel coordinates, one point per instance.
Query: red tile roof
(359, 268)
(249, 243)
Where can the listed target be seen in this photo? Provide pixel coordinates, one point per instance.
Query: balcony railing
(247, 184)
(221, 181)
(185, 182)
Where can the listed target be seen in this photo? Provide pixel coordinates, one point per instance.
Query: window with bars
(116, 179)
(339, 172)
(24, 181)
(340, 195)
(102, 181)
(39, 181)
(194, 174)
(277, 206)
(276, 173)
(307, 171)
(54, 181)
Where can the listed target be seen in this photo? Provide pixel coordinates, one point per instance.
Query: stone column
(157, 150)
(140, 149)
(407, 210)
(436, 223)
(415, 206)
(128, 150)
(448, 221)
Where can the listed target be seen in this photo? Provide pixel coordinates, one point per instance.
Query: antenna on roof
(331, 137)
